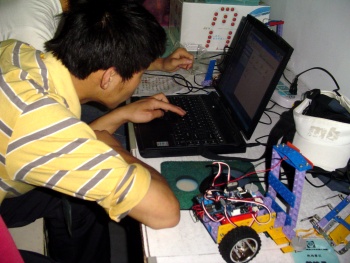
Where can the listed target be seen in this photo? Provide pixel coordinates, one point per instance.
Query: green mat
(198, 171)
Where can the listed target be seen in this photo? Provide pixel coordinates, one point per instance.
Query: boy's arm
(159, 208)
(140, 111)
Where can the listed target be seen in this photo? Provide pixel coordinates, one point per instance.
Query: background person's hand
(180, 58)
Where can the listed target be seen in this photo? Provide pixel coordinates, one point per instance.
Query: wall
(319, 32)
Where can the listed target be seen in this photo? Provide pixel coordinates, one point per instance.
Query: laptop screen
(258, 59)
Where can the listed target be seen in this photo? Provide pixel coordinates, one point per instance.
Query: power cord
(294, 86)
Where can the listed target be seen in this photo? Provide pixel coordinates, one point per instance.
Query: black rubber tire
(242, 239)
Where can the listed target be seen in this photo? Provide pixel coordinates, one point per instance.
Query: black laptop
(228, 116)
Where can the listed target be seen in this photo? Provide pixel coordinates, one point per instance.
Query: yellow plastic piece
(287, 249)
(340, 233)
(263, 226)
(278, 236)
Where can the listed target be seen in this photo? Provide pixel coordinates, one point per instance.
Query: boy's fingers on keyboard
(170, 107)
(161, 97)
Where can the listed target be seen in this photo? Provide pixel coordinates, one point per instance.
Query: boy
(55, 166)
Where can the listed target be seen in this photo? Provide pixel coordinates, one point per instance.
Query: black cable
(209, 57)
(253, 144)
(280, 105)
(326, 174)
(223, 56)
(261, 137)
(268, 116)
(279, 114)
(187, 84)
(318, 186)
(273, 105)
(181, 81)
(284, 76)
(204, 88)
(194, 79)
(294, 86)
(203, 151)
(213, 56)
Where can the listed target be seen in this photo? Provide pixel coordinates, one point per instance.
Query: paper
(151, 85)
(317, 251)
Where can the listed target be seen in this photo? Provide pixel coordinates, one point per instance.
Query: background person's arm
(180, 58)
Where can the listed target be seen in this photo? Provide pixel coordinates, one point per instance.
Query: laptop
(249, 73)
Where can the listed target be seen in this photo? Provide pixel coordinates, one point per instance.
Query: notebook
(249, 73)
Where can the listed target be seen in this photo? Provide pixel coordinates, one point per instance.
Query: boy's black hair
(101, 34)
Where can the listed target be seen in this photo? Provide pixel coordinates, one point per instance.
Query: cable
(318, 186)
(272, 106)
(268, 116)
(261, 143)
(294, 86)
(194, 78)
(273, 112)
(284, 76)
(181, 81)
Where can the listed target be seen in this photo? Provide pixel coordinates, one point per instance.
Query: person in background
(31, 21)
(158, 8)
(36, 21)
(56, 167)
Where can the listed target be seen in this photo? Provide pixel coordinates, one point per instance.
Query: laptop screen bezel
(247, 127)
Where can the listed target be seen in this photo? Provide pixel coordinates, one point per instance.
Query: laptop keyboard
(197, 127)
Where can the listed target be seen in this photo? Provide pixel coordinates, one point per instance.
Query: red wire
(255, 172)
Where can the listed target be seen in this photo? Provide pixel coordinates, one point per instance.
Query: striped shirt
(44, 143)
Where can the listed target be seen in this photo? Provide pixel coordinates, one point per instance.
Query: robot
(234, 216)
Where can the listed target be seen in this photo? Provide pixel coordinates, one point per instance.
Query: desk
(189, 242)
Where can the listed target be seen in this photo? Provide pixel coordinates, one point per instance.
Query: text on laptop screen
(256, 60)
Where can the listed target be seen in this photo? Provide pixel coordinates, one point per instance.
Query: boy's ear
(107, 77)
